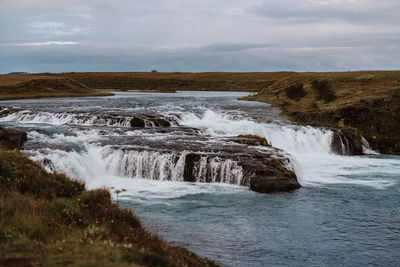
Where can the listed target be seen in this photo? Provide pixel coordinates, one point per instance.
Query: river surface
(346, 214)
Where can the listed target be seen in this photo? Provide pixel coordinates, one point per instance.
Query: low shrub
(67, 211)
(295, 91)
(323, 90)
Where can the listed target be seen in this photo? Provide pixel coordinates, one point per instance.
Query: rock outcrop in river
(201, 159)
(12, 139)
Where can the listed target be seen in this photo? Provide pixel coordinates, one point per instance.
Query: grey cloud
(88, 58)
(312, 11)
(181, 35)
(231, 47)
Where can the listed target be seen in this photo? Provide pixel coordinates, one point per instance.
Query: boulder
(271, 176)
(140, 121)
(12, 139)
(137, 122)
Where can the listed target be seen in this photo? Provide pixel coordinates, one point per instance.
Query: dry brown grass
(366, 100)
(38, 86)
(351, 88)
(211, 81)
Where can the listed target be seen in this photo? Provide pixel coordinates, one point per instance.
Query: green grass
(51, 220)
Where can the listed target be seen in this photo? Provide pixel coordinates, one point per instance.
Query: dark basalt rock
(6, 111)
(271, 176)
(341, 145)
(144, 120)
(354, 137)
(190, 163)
(162, 123)
(251, 140)
(347, 141)
(263, 174)
(12, 139)
(138, 122)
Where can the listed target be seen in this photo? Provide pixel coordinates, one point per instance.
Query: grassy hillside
(364, 102)
(50, 220)
(37, 86)
(212, 81)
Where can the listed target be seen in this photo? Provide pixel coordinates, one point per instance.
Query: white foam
(310, 147)
(65, 118)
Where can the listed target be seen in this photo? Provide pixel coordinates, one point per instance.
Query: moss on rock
(261, 140)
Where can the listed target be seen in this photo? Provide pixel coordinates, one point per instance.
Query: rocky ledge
(12, 139)
(244, 161)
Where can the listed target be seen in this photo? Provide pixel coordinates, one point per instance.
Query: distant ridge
(18, 72)
(16, 86)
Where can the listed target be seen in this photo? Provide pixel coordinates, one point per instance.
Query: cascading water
(305, 144)
(66, 119)
(145, 164)
(290, 138)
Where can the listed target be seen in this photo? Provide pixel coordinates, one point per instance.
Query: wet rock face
(5, 111)
(137, 123)
(251, 140)
(378, 121)
(341, 145)
(219, 160)
(151, 121)
(12, 139)
(347, 142)
(261, 173)
(272, 177)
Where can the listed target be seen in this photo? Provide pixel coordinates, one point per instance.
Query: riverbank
(25, 86)
(359, 103)
(51, 220)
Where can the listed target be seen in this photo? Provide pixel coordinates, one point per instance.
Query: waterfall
(66, 118)
(217, 170)
(293, 139)
(145, 164)
(152, 165)
(172, 166)
(88, 119)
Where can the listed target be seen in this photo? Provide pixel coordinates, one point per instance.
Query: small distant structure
(154, 71)
(18, 72)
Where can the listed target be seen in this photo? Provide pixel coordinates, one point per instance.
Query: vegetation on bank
(359, 103)
(36, 86)
(51, 220)
(160, 81)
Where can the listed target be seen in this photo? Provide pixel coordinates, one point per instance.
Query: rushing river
(346, 214)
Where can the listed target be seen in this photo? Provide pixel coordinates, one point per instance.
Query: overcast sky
(201, 35)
